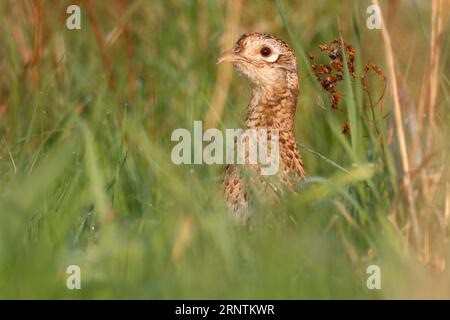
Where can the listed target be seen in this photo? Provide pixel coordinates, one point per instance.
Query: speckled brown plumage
(270, 67)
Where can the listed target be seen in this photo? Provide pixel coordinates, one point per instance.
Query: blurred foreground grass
(87, 179)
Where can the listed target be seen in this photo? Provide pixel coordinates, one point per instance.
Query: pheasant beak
(228, 56)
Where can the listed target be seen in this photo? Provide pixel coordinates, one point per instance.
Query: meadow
(86, 176)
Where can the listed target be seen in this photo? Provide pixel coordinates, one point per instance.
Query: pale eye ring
(265, 51)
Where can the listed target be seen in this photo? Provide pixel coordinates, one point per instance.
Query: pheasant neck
(272, 107)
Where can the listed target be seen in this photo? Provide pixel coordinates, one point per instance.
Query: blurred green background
(86, 176)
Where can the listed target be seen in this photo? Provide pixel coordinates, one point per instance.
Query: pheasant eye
(265, 51)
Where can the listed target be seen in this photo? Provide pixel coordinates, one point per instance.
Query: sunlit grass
(87, 179)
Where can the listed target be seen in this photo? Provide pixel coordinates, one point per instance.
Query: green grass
(87, 179)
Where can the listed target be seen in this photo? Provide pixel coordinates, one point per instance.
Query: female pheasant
(270, 67)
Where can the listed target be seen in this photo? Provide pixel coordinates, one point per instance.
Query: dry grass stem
(225, 73)
(398, 117)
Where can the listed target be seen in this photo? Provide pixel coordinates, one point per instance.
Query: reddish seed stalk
(101, 43)
(331, 73)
